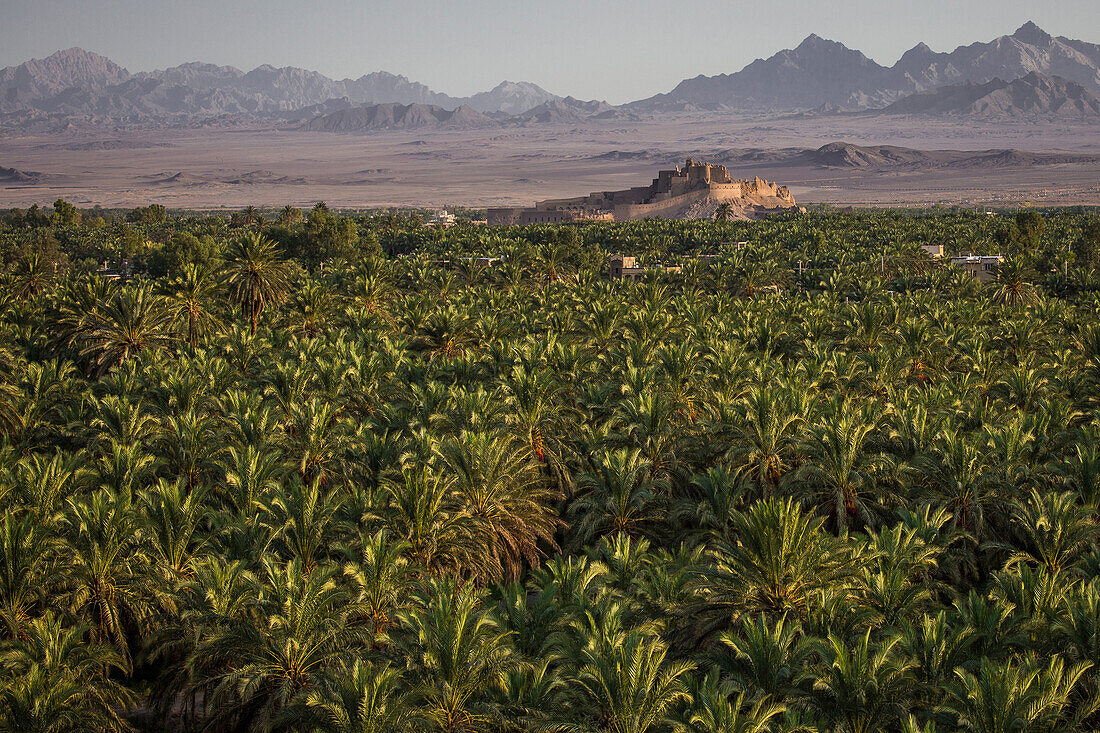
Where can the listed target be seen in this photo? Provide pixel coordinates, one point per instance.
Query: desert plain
(1006, 164)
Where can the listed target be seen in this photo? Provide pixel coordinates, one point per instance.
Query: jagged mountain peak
(1032, 34)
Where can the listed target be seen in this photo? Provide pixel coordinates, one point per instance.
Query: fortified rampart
(671, 194)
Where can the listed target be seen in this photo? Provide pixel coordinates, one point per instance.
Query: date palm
(781, 558)
(764, 659)
(255, 275)
(191, 297)
(460, 656)
(765, 440)
(841, 475)
(714, 710)
(382, 579)
(1009, 697)
(57, 682)
(363, 698)
(508, 503)
(133, 321)
(260, 664)
(1056, 531)
(860, 686)
(302, 521)
(26, 547)
(617, 496)
(173, 519)
(107, 580)
(631, 686)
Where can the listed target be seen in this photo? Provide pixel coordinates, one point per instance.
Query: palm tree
(714, 710)
(507, 501)
(133, 321)
(725, 212)
(765, 659)
(302, 522)
(1056, 531)
(260, 664)
(255, 275)
(25, 551)
(190, 296)
(630, 686)
(106, 572)
(382, 579)
(460, 654)
(860, 687)
(765, 439)
(780, 559)
(616, 496)
(1009, 697)
(364, 698)
(1013, 286)
(841, 474)
(56, 682)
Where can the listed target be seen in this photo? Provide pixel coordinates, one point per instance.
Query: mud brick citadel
(692, 192)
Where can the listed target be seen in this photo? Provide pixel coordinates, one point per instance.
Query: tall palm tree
(764, 659)
(725, 212)
(56, 682)
(256, 276)
(363, 698)
(134, 320)
(714, 710)
(780, 559)
(107, 580)
(461, 656)
(25, 551)
(861, 686)
(260, 664)
(191, 297)
(508, 502)
(841, 474)
(1010, 697)
(631, 687)
(765, 439)
(616, 496)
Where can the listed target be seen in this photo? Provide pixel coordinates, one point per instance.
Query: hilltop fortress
(692, 192)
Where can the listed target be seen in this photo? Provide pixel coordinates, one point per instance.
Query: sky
(617, 50)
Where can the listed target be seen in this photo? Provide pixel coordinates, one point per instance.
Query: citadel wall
(669, 193)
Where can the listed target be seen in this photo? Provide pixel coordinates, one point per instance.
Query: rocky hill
(822, 73)
(1034, 95)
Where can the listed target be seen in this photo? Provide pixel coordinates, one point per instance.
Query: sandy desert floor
(210, 169)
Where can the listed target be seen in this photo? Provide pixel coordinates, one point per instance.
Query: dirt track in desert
(210, 169)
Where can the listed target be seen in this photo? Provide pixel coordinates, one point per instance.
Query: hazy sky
(618, 50)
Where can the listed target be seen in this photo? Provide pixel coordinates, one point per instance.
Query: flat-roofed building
(982, 267)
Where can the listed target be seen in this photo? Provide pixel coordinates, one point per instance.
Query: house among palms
(983, 267)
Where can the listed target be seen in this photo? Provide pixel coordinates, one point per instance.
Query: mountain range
(820, 72)
(1027, 74)
(78, 82)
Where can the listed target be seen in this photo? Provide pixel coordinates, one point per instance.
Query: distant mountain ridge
(826, 73)
(1031, 95)
(1029, 74)
(78, 82)
(392, 116)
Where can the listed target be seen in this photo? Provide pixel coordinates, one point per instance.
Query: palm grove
(315, 472)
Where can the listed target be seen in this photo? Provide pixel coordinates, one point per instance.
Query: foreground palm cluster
(334, 475)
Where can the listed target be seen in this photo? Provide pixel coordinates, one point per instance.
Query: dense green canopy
(332, 473)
